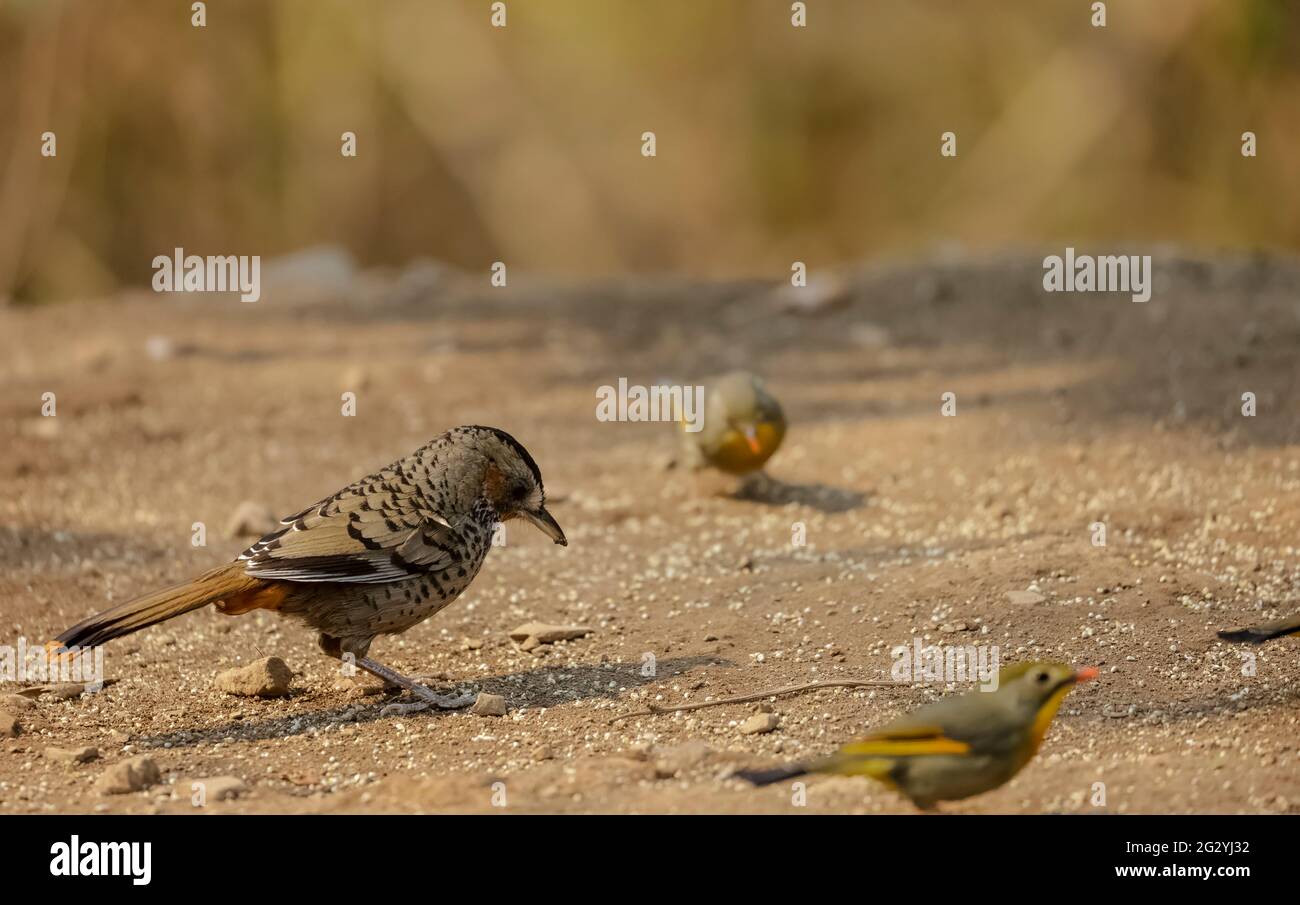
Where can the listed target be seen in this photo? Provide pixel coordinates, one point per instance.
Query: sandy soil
(1071, 410)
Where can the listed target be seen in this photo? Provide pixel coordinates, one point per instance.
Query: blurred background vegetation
(523, 144)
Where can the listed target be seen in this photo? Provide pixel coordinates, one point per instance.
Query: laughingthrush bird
(381, 555)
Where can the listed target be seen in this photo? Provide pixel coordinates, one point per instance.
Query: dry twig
(655, 710)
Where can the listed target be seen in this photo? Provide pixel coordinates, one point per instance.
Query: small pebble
(760, 723)
(265, 678)
(488, 705)
(129, 776)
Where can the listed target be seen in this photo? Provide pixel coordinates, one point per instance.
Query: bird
(957, 746)
(1258, 634)
(743, 425)
(376, 558)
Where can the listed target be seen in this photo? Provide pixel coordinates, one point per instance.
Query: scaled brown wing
(377, 530)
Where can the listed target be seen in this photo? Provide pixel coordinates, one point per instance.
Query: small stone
(1025, 598)
(219, 788)
(760, 723)
(817, 296)
(543, 752)
(251, 519)
(265, 678)
(64, 691)
(488, 705)
(9, 727)
(60, 691)
(949, 628)
(639, 751)
(16, 703)
(531, 634)
(129, 776)
(160, 348)
(72, 755)
(670, 760)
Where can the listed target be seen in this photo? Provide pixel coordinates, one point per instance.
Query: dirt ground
(1071, 410)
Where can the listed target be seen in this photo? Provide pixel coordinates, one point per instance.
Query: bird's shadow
(543, 687)
(1184, 710)
(765, 489)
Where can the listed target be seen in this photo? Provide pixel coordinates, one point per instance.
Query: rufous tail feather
(228, 584)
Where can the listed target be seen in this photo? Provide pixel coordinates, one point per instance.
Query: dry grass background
(522, 144)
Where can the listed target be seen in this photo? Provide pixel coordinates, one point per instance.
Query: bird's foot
(402, 709)
(428, 697)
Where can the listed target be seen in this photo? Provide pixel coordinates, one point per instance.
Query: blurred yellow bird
(1258, 634)
(743, 425)
(958, 746)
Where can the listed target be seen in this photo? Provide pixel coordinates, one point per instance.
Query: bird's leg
(333, 647)
(427, 697)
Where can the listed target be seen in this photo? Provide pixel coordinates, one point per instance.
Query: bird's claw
(402, 709)
(452, 701)
(429, 699)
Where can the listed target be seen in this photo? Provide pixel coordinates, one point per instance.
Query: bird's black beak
(547, 524)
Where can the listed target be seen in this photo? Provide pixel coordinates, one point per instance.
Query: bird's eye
(1041, 678)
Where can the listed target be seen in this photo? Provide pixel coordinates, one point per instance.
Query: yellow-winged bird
(743, 425)
(957, 746)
